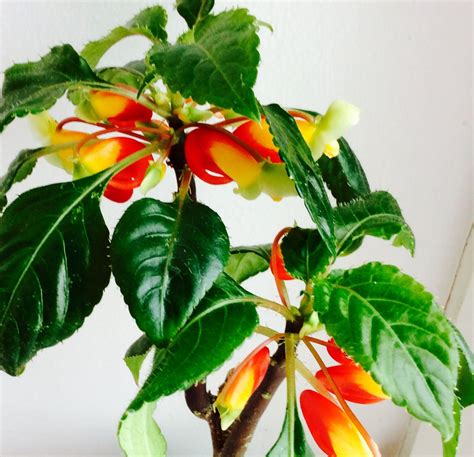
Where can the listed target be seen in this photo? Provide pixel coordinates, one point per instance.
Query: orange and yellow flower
(240, 386)
(331, 427)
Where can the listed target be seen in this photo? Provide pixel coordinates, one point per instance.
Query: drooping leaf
(390, 324)
(54, 266)
(218, 66)
(139, 434)
(247, 261)
(303, 170)
(18, 170)
(136, 355)
(376, 214)
(194, 10)
(35, 86)
(465, 387)
(217, 326)
(301, 448)
(150, 23)
(304, 253)
(165, 257)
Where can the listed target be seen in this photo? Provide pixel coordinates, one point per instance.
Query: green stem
(317, 385)
(290, 346)
(274, 306)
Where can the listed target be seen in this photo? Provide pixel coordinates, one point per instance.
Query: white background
(407, 65)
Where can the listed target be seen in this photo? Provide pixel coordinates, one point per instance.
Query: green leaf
(165, 257)
(194, 10)
(18, 170)
(139, 435)
(377, 214)
(215, 329)
(303, 170)
(344, 174)
(54, 266)
(450, 447)
(390, 324)
(136, 355)
(247, 261)
(219, 67)
(150, 23)
(34, 87)
(301, 449)
(304, 254)
(465, 387)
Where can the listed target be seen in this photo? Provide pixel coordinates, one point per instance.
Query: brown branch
(200, 402)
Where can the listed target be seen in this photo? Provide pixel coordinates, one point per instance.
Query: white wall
(408, 65)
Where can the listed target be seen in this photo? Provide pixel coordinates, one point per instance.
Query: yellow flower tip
(339, 117)
(228, 416)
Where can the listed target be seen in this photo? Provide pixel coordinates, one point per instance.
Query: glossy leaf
(194, 10)
(18, 170)
(305, 255)
(165, 257)
(301, 448)
(217, 64)
(217, 326)
(376, 214)
(344, 174)
(389, 324)
(150, 23)
(136, 355)
(139, 435)
(303, 170)
(465, 386)
(35, 86)
(54, 266)
(247, 261)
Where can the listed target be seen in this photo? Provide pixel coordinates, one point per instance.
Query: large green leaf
(301, 447)
(35, 86)
(54, 266)
(18, 170)
(390, 324)
(194, 10)
(465, 387)
(376, 214)
(217, 64)
(140, 436)
(304, 253)
(217, 326)
(303, 170)
(247, 261)
(165, 257)
(150, 23)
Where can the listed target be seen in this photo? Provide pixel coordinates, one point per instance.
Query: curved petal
(337, 353)
(331, 428)
(355, 384)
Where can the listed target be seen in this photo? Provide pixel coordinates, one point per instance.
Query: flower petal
(331, 428)
(354, 383)
(337, 353)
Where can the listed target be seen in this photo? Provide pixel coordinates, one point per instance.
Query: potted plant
(189, 108)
